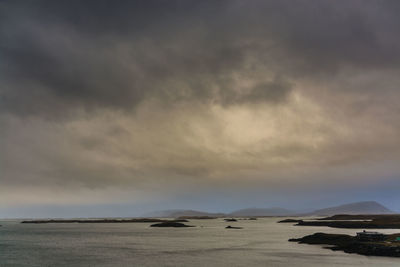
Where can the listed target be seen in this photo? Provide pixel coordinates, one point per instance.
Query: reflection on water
(260, 243)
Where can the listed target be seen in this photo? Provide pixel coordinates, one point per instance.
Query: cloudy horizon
(119, 109)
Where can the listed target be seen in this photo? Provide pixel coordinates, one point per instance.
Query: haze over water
(259, 243)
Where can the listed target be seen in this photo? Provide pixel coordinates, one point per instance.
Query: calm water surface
(259, 243)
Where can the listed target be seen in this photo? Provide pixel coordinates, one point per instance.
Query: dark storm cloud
(133, 100)
(67, 54)
(331, 34)
(98, 54)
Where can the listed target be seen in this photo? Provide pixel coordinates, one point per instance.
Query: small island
(365, 243)
(233, 227)
(170, 224)
(391, 221)
(290, 221)
(135, 220)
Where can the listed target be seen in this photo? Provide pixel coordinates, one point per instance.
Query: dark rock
(170, 224)
(290, 221)
(230, 220)
(322, 238)
(135, 220)
(357, 221)
(233, 227)
(351, 244)
(354, 224)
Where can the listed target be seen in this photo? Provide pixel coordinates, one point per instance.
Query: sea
(262, 242)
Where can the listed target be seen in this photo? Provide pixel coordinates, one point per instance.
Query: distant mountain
(239, 213)
(160, 213)
(262, 212)
(195, 213)
(365, 207)
(181, 213)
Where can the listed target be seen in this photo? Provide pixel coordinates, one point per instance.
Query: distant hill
(182, 213)
(365, 207)
(262, 212)
(195, 213)
(239, 213)
(159, 213)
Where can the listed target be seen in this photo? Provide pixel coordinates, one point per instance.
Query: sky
(118, 108)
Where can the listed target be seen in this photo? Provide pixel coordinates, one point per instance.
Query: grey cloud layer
(156, 95)
(58, 56)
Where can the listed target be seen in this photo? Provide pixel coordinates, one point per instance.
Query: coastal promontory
(386, 245)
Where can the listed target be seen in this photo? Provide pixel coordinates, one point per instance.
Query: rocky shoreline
(351, 244)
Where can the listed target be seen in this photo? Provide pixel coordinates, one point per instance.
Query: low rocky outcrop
(389, 246)
(233, 227)
(362, 217)
(170, 224)
(290, 221)
(375, 221)
(135, 220)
